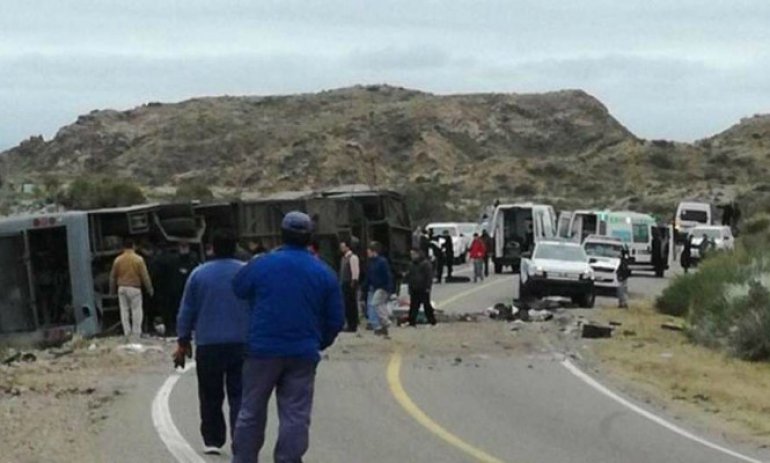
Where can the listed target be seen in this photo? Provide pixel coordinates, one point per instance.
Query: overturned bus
(354, 213)
(55, 267)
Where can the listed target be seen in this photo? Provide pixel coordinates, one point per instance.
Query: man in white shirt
(350, 273)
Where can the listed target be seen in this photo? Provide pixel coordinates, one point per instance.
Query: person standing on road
(350, 275)
(686, 258)
(449, 254)
(438, 255)
(489, 246)
(425, 243)
(129, 274)
(419, 279)
(477, 254)
(295, 311)
(378, 287)
(219, 320)
(623, 272)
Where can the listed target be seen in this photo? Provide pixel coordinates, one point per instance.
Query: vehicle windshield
(711, 233)
(438, 231)
(694, 216)
(603, 249)
(468, 230)
(560, 252)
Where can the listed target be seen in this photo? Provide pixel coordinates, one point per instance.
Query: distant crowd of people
(440, 251)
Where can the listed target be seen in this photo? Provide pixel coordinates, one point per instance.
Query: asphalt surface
(521, 408)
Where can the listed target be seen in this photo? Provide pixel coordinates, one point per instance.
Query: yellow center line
(406, 402)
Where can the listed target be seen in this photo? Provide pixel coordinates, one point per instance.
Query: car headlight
(589, 275)
(539, 272)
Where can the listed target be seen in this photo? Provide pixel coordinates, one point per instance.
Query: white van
(515, 230)
(584, 223)
(634, 229)
(691, 214)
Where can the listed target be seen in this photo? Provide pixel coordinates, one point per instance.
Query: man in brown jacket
(129, 274)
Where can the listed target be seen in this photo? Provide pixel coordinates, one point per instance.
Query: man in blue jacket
(378, 287)
(296, 311)
(211, 310)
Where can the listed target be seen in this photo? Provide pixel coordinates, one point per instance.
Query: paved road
(522, 408)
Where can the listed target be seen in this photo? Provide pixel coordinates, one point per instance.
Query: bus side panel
(84, 303)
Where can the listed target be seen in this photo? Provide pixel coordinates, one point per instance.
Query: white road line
(650, 416)
(164, 422)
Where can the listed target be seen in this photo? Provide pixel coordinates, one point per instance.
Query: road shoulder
(706, 389)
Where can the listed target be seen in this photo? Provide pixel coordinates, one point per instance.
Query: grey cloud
(413, 58)
(679, 70)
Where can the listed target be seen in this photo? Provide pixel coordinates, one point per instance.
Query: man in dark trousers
(295, 312)
(350, 275)
(658, 261)
(219, 320)
(623, 273)
(424, 243)
(449, 254)
(685, 259)
(175, 268)
(438, 255)
(489, 244)
(419, 279)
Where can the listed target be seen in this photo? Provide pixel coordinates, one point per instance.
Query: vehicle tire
(660, 272)
(182, 227)
(588, 300)
(498, 268)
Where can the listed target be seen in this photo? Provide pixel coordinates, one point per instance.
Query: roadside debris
(14, 356)
(672, 326)
(539, 315)
(136, 348)
(596, 331)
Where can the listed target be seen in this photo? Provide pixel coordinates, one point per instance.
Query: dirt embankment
(52, 402)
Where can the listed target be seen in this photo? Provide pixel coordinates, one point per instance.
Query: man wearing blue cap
(296, 311)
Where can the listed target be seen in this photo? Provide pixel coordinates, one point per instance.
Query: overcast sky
(678, 69)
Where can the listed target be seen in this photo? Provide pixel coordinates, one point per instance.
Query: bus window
(641, 233)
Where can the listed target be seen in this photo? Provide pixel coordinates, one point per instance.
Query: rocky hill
(470, 149)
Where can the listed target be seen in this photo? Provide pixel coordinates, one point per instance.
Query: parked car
(720, 237)
(604, 254)
(557, 268)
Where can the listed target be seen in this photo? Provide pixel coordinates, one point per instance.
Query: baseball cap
(297, 222)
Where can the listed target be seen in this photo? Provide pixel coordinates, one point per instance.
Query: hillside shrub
(727, 301)
(704, 288)
(427, 202)
(756, 225)
(194, 191)
(750, 336)
(99, 192)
